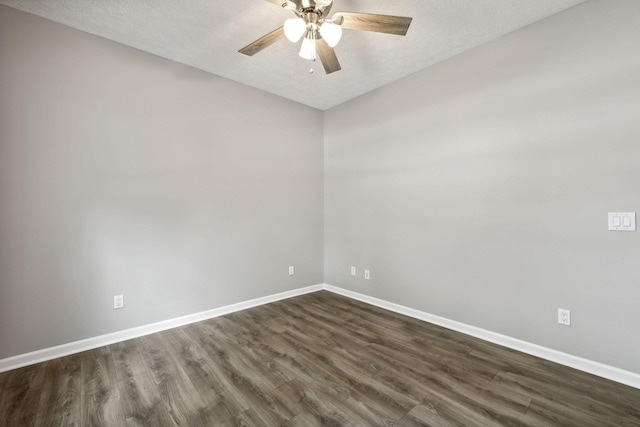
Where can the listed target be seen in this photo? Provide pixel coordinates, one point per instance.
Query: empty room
(319, 212)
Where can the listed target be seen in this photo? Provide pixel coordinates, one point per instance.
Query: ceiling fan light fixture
(308, 48)
(321, 33)
(331, 33)
(294, 29)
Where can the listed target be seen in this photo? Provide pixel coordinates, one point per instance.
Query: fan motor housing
(307, 5)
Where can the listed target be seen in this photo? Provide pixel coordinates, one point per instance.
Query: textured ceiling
(207, 35)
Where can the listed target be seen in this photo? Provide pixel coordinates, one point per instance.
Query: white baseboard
(38, 356)
(605, 371)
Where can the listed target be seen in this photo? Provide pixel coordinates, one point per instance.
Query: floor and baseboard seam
(605, 371)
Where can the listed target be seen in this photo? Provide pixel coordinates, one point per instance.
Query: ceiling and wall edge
(207, 36)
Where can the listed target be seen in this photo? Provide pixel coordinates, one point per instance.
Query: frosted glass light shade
(308, 48)
(331, 33)
(294, 28)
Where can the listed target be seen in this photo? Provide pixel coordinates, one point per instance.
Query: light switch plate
(622, 221)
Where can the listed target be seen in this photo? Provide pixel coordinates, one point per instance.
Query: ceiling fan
(320, 34)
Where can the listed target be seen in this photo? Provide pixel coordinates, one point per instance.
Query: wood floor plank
(250, 377)
(578, 400)
(140, 399)
(20, 391)
(356, 379)
(333, 403)
(426, 416)
(183, 403)
(100, 397)
(314, 360)
(471, 401)
(60, 393)
(550, 413)
(210, 381)
(316, 400)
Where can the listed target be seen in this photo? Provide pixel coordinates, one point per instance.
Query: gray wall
(121, 172)
(478, 189)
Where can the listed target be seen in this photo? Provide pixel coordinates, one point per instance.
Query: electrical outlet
(564, 316)
(118, 301)
(367, 275)
(353, 271)
(292, 270)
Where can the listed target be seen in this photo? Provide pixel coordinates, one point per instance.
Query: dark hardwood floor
(317, 359)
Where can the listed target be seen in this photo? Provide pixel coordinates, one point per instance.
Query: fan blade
(263, 42)
(398, 25)
(327, 56)
(278, 3)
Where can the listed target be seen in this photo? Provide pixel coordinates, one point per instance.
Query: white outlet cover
(564, 316)
(353, 271)
(118, 301)
(367, 275)
(292, 270)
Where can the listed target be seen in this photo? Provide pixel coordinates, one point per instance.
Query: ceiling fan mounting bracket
(300, 7)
